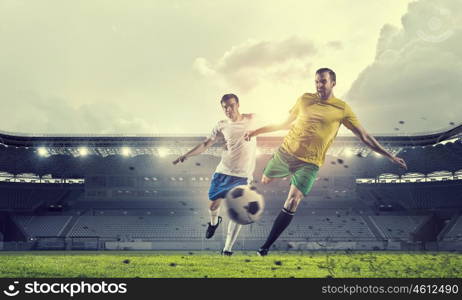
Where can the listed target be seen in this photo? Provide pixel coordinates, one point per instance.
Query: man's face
(324, 85)
(231, 108)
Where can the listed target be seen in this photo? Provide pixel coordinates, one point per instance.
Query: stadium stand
(422, 195)
(42, 226)
(27, 199)
(397, 227)
(109, 200)
(185, 228)
(455, 233)
(131, 227)
(316, 228)
(20, 200)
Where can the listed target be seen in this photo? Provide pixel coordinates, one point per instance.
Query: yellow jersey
(316, 126)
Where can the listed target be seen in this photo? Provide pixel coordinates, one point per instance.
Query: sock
(233, 231)
(280, 224)
(214, 216)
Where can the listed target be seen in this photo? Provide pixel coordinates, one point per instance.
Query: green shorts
(283, 164)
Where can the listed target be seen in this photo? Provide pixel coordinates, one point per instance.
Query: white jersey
(238, 159)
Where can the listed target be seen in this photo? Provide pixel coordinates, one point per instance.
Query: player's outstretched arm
(372, 143)
(198, 149)
(270, 128)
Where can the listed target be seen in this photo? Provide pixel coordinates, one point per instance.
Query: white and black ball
(244, 204)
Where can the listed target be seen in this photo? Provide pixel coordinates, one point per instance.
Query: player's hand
(248, 135)
(399, 161)
(182, 158)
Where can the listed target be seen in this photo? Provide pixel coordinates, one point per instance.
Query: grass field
(200, 264)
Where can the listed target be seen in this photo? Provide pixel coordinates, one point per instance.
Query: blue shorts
(222, 183)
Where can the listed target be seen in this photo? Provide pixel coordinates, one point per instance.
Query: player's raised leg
(300, 185)
(284, 218)
(215, 219)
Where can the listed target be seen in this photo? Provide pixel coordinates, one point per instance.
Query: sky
(161, 67)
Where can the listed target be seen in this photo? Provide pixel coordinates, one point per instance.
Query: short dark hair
(332, 74)
(226, 97)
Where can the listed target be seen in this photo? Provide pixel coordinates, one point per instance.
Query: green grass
(178, 264)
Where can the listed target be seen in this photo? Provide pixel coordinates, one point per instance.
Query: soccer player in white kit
(236, 166)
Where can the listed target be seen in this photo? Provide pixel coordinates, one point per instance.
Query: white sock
(233, 231)
(214, 216)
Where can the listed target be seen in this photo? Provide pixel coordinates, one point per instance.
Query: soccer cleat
(262, 252)
(226, 253)
(211, 229)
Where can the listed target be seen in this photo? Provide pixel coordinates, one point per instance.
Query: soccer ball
(245, 205)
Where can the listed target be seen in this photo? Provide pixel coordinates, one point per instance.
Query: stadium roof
(105, 145)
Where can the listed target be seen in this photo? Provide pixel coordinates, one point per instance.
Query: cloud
(246, 65)
(416, 76)
(335, 45)
(33, 113)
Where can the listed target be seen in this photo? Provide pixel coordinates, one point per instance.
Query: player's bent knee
(266, 179)
(291, 206)
(292, 202)
(214, 205)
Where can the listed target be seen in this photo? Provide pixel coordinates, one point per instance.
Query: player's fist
(399, 161)
(182, 158)
(248, 135)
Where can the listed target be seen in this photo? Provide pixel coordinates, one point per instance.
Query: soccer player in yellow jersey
(313, 122)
